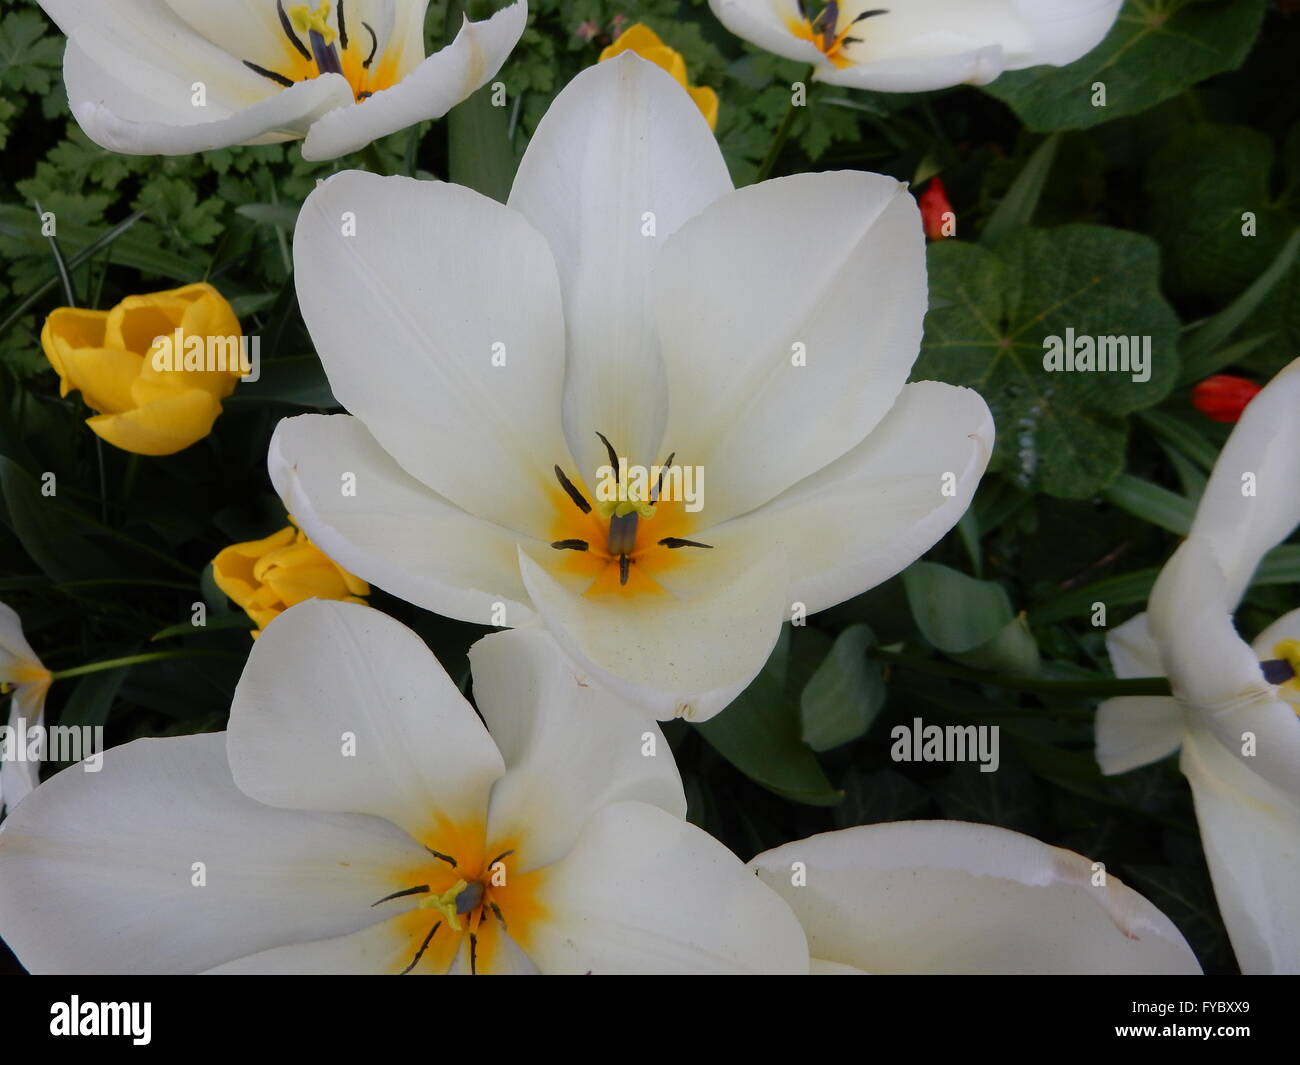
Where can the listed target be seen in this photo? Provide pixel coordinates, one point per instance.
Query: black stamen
(423, 947)
(499, 857)
(497, 910)
(402, 894)
(442, 857)
(609, 450)
(571, 545)
(287, 26)
(327, 59)
(624, 566)
(659, 485)
(473, 954)
(573, 493)
(870, 14)
(343, 29)
(674, 542)
(364, 95)
(1277, 670)
(850, 40)
(279, 79)
(374, 46)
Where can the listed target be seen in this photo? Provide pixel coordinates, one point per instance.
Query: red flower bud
(936, 212)
(1222, 398)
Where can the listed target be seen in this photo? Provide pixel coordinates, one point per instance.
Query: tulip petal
(768, 25)
(622, 158)
(675, 657)
(438, 320)
(872, 513)
(1251, 833)
(19, 776)
(570, 748)
(429, 91)
(391, 530)
(761, 303)
(644, 892)
(99, 871)
(1134, 730)
(162, 426)
(950, 897)
(16, 654)
(1250, 502)
(1133, 650)
(370, 722)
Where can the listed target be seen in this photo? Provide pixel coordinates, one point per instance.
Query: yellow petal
(232, 569)
(633, 39)
(103, 376)
(71, 327)
(297, 583)
(707, 101)
(162, 427)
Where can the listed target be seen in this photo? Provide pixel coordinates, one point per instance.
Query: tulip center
(315, 46)
(619, 545)
(1284, 668)
(831, 29)
(463, 898)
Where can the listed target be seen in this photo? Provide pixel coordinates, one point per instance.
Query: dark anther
(442, 857)
(622, 533)
(1277, 670)
(374, 46)
(470, 899)
(499, 858)
(473, 954)
(497, 910)
(609, 450)
(402, 894)
(871, 14)
(287, 26)
(659, 485)
(624, 566)
(279, 79)
(571, 545)
(573, 493)
(327, 59)
(423, 947)
(364, 95)
(675, 542)
(343, 29)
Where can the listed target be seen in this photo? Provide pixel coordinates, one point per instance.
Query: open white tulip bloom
(1234, 705)
(952, 897)
(555, 844)
(170, 77)
(21, 674)
(919, 45)
(627, 294)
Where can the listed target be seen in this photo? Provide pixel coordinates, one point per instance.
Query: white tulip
(170, 77)
(951, 897)
(628, 294)
(357, 817)
(1234, 706)
(919, 45)
(21, 673)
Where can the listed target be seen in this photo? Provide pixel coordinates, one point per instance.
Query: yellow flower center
(1288, 651)
(315, 45)
(463, 897)
(831, 30)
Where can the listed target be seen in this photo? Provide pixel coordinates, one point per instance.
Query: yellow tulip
(642, 40)
(145, 402)
(266, 577)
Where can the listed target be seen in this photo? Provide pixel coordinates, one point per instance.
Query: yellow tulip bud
(138, 365)
(266, 577)
(642, 40)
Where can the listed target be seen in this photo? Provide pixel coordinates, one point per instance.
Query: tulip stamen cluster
(824, 30)
(319, 53)
(1284, 669)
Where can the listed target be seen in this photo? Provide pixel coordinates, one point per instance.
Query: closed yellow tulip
(147, 403)
(266, 577)
(642, 40)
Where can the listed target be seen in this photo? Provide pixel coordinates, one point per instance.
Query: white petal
(621, 153)
(1214, 672)
(830, 267)
(1133, 730)
(875, 511)
(767, 23)
(818, 967)
(1133, 650)
(342, 708)
(15, 652)
(1287, 627)
(244, 29)
(409, 314)
(950, 897)
(675, 657)
(19, 776)
(643, 892)
(432, 89)
(570, 748)
(1251, 834)
(394, 532)
(380, 950)
(968, 66)
(1263, 452)
(1064, 30)
(97, 870)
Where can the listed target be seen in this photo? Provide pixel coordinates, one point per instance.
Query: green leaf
(52, 534)
(92, 698)
(22, 231)
(1155, 51)
(221, 622)
(1016, 210)
(279, 215)
(844, 695)
(953, 611)
(1012, 650)
(299, 380)
(1151, 503)
(1060, 432)
(482, 157)
(759, 734)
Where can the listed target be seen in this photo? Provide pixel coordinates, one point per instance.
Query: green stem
(132, 660)
(1104, 687)
(782, 134)
(374, 161)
